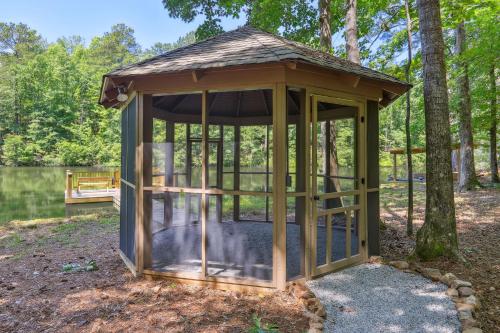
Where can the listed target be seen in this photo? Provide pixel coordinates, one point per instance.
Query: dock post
(116, 176)
(394, 167)
(69, 184)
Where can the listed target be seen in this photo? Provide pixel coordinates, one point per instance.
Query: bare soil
(478, 227)
(36, 295)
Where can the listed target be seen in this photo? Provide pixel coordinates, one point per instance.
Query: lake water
(38, 192)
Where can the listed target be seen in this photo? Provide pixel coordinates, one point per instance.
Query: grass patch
(11, 241)
(65, 228)
(32, 224)
(395, 195)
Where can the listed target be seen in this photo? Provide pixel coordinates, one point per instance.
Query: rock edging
(313, 308)
(461, 292)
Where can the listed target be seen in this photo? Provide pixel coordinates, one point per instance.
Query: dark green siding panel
(127, 193)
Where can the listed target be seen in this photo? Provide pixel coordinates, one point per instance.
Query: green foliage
(259, 327)
(16, 152)
(48, 95)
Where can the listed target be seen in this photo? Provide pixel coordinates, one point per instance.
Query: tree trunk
(409, 219)
(438, 235)
(351, 28)
(325, 30)
(493, 128)
(467, 178)
(330, 165)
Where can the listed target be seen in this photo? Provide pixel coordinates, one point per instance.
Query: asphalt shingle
(243, 46)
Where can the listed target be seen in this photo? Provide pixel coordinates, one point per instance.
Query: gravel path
(380, 298)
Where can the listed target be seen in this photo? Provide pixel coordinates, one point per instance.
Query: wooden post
(267, 172)
(327, 167)
(306, 104)
(279, 184)
(168, 209)
(394, 167)
(143, 174)
(220, 173)
(204, 182)
(313, 223)
(301, 175)
(188, 170)
(116, 177)
(236, 180)
(69, 184)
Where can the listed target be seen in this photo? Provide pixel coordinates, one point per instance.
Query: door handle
(316, 197)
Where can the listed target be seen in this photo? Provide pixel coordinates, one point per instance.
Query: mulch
(36, 295)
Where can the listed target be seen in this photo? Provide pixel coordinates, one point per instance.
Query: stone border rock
(313, 308)
(461, 292)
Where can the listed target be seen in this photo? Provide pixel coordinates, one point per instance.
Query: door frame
(324, 96)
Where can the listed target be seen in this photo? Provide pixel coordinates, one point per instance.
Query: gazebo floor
(237, 249)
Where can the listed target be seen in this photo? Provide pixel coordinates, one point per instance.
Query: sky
(88, 18)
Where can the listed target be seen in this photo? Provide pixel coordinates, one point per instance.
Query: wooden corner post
(279, 184)
(143, 174)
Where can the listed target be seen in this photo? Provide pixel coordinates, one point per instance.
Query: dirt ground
(478, 227)
(36, 295)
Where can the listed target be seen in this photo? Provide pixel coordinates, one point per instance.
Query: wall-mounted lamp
(122, 94)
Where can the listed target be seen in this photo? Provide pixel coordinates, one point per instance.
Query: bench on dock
(94, 181)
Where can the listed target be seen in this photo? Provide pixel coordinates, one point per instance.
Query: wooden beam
(234, 78)
(351, 79)
(356, 81)
(197, 75)
(335, 82)
(292, 65)
(213, 120)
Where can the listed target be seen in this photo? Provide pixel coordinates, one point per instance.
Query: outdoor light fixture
(122, 95)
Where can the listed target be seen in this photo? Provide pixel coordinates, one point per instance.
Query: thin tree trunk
(493, 128)
(332, 184)
(467, 179)
(325, 30)
(351, 28)
(325, 42)
(438, 235)
(409, 219)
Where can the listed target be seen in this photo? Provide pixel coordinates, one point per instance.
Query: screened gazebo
(248, 161)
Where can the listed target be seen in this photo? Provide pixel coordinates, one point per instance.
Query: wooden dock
(92, 196)
(92, 187)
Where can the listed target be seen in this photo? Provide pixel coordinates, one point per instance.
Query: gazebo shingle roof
(244, 46)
